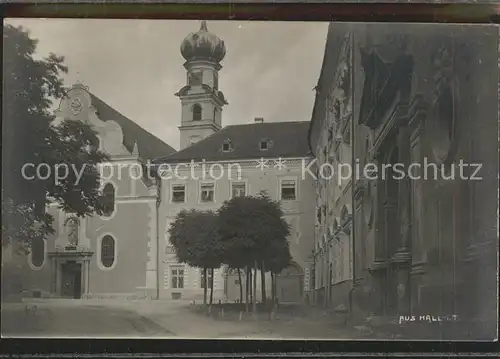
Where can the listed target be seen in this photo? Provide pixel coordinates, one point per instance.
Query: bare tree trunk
(204, 286)
(211, 285)
(255, 288)
(241, 286)
(273, 288)
(250, 276)
(247, 289)
(263, 281)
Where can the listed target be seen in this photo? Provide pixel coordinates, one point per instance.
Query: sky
(135, 66)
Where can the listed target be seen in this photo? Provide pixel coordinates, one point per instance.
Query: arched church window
(108, 199)
(37, 252)
(108, 247)
(215, 113)
(196, 112)
(227, 146)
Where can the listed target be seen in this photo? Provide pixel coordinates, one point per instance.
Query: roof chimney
(259, 119)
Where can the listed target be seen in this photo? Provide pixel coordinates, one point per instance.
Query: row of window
(264, 145)
(107, 252)
(177, 278)
(288, 191)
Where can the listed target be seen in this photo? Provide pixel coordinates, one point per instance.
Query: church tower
(201, 99)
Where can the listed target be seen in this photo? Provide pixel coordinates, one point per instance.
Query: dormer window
(265, 144)
(227, 146)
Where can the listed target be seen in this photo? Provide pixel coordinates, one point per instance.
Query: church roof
(285, 139)
(148, 145)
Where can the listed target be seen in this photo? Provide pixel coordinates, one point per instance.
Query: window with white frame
(238, 189)
(288, 190)
(227, 146)
(179, 193)
(177, 275)
(207, 192)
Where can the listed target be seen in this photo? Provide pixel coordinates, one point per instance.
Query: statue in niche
(72, 227)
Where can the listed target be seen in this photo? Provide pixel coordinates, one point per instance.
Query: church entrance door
(71, 280)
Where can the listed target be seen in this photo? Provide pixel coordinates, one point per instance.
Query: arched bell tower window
(196, 112)
(108, 198)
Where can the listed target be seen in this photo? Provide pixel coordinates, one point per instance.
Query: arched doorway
(289, 284)
(232, 286)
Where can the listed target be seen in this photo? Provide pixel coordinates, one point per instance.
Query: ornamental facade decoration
(442, 114)
(72, 225)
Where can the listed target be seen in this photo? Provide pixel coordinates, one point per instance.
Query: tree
(30, 137)
(248, 228)
(193, 234)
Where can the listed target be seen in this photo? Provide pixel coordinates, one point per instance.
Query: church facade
(125, 253)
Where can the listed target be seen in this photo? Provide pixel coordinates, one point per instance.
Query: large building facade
(425, 235)
(330, 139)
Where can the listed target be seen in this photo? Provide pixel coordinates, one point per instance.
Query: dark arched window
(108, 251)
(196, 112)
(215, 114)
(343, 214)
(37, 252)
(108, 198)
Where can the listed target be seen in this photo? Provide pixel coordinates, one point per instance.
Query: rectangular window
(209, 281)
(179, 193)
(216, 81)
(207, 192)
(239, 189)
(288, 190)
(177, 278)
(169, 249)
(196, 79)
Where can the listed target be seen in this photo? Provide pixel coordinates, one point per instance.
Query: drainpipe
(158, 259)
(353, 163)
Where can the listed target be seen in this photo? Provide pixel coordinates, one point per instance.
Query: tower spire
(203, 26)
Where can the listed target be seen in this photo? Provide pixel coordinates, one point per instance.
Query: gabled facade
(113, 254)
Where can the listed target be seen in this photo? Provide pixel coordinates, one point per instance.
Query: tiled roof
(287, 139)
(149, 146)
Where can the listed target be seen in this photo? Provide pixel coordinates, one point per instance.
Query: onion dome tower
(201, 99)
